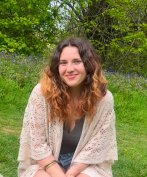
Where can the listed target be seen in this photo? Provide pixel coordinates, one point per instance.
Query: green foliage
(128, 54)
(117, 29)
(26, 25)
(12, 95)
(21, 69)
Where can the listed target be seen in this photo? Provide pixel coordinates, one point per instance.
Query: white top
(40, 138)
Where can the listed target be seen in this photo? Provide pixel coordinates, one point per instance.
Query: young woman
(69, 122)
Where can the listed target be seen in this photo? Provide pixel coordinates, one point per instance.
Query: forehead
(70, 52)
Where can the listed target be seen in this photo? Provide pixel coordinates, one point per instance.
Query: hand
(70, 175)
(75, 169)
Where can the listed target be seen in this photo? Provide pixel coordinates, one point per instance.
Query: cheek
(61, 71)
(83, 70)
(84, 75)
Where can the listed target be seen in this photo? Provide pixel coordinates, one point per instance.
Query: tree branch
(76, 13)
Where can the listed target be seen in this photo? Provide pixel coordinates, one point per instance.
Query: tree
(27, 25)
(118, 29)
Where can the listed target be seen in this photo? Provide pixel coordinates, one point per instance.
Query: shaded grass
(8, 157)
(132, 152)
(10, 122)
(13, 100)
(130, 97)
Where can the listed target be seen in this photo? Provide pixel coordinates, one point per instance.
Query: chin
(73, 85)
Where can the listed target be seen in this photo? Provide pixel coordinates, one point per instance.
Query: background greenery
(118, 29)
(29, 30)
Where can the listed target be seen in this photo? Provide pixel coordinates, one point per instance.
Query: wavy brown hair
(57, 92)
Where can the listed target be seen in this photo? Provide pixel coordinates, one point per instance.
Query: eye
(63, 62)
(77, 61)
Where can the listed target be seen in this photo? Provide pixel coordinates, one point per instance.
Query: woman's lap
(91, 172)
(29, 172)
(64, 160)
(94, 171)
(41, 173)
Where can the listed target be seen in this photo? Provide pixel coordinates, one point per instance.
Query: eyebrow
(76, 58)
(72, 59)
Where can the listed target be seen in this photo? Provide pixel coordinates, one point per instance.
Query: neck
(75, 92)
(75, 95)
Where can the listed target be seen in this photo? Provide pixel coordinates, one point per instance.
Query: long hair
(57, 92)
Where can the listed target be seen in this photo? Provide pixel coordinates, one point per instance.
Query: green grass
(10, 121)
(131, 135)
(131, 122)
(130, 97)
(13, 100)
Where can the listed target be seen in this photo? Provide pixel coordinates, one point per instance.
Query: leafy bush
(27, 26)
(18, 75)
(117, 29)
(21, 69)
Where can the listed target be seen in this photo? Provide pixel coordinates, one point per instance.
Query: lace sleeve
(34, 133)
(101, 136)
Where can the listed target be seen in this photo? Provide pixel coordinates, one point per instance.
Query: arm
(54, 170)
(40, 151)
(76, 169)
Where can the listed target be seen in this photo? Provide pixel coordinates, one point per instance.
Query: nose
(70, 67)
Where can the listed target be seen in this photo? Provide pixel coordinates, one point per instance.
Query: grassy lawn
(10, 121)
(131, 124)
(131, 135)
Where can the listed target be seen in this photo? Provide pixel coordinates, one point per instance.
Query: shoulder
(36, 92)
(37, 89)
(108, 96)
(107, 99)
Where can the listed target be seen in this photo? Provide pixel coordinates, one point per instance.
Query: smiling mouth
(71, 76)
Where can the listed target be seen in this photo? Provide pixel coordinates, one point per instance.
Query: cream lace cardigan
(40, 138)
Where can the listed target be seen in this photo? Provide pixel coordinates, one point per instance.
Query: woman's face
(71, 67)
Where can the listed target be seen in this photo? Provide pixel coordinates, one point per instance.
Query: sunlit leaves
(26, 25)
